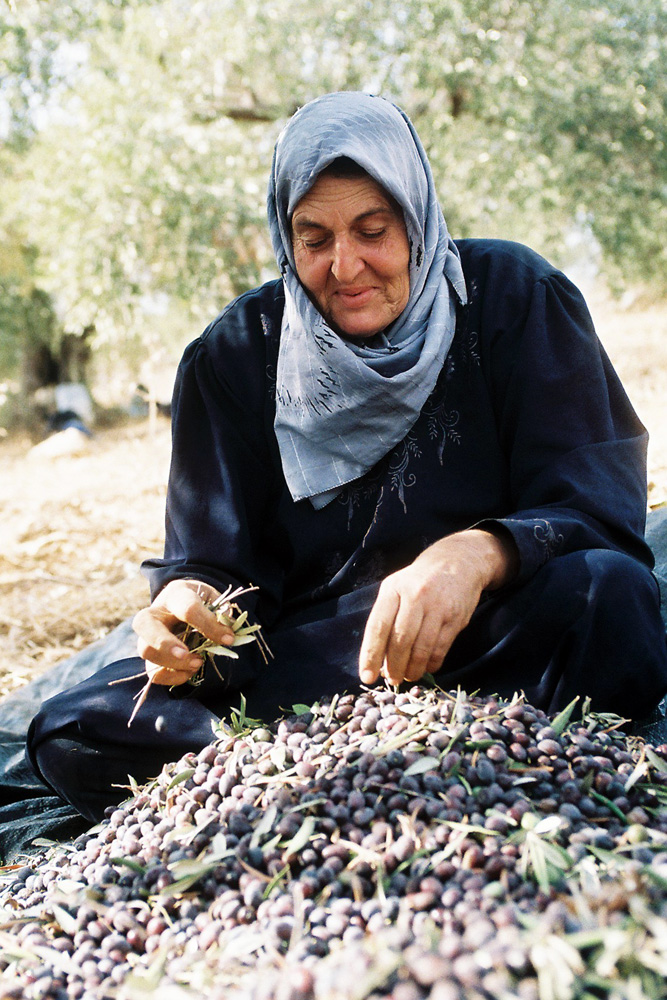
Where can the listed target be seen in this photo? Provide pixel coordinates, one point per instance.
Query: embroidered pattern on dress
(269, 331)
(399, 459)
(441, 422)
(466, 357)
(271, 381)
(464, 352)
(361, 489)
(470, 352)
(449, 368)
(545, 535)
(442, 425)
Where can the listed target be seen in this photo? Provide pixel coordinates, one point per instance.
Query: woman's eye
(314, 244)
(373, 234)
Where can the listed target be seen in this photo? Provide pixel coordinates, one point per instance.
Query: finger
(431, 647)
(186, 604)
(441, 648)
(420, 658)
(403, 636)
(157, 643)
(376, 635)
(167, 675)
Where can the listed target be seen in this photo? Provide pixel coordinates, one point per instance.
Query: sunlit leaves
(142, 134)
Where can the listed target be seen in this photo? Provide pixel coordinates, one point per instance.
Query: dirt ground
(74, 527)
(73, 531)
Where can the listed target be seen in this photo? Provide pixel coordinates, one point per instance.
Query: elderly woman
(418, 453)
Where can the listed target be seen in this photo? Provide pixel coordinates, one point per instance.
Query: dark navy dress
(528, 432)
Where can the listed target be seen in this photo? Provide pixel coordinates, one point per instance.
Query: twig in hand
(141, 696)
(227, 611)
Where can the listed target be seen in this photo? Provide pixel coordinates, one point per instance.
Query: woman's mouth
(355, 297)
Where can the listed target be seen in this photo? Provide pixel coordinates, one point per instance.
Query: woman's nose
(346, 263)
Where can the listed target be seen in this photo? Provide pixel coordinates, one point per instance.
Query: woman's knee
(620, 634)
(616, 574)
(586, 624)
(78, 773)
(602, 585)
(92, 775)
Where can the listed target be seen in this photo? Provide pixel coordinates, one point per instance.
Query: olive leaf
(64, 919)
(227, 611)
(220, 651)
(264, 826)
(301, 837)
(421, 765)
(603, 800)
(179, 778)
(143, 980)
(655, 761)
(641, 768)
(188, 871)
(134, 866)
(561, 721)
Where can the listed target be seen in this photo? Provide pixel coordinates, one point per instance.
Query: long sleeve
(221, 481)
(575, 449)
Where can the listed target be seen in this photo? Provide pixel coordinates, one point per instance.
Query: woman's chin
(356, 327)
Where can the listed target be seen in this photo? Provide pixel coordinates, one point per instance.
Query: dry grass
(636, 341)
(72, 534)
(73, 529)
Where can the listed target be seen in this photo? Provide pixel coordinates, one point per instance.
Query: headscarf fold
(342, 405)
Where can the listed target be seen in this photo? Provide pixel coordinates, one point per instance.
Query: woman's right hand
(168, 659)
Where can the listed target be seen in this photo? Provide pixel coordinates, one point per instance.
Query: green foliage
(140, 134)
(27, 318)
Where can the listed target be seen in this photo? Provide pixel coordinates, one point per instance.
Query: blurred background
(137, 136)
(135, 146)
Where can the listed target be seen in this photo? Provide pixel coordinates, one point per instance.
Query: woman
(416, 451)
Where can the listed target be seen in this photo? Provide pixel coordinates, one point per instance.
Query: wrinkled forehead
(368, 130)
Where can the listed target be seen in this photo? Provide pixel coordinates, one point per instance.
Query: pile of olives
(404, 845)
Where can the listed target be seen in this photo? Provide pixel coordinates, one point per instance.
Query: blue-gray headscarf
(341, 405)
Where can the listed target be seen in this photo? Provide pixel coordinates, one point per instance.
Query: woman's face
(352, 254)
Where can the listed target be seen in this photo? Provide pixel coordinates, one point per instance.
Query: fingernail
(179, 652)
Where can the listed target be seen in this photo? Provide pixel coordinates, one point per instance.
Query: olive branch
(227, 612)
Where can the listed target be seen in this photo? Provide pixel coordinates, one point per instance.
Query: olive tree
(140, 134)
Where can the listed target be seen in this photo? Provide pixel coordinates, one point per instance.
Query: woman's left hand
(421, 609)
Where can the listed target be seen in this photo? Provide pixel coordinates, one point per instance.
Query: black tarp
(28, 809)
